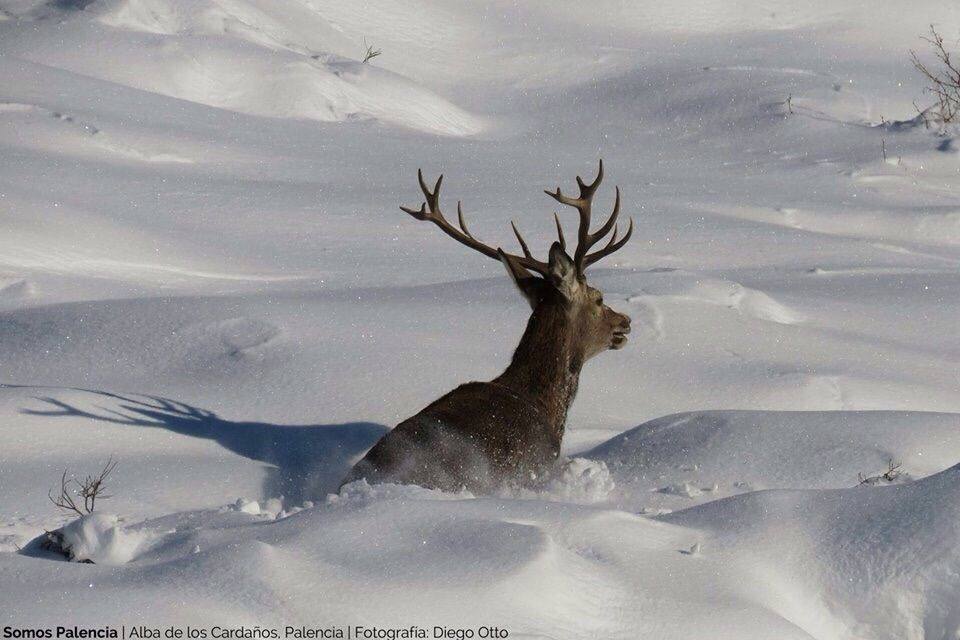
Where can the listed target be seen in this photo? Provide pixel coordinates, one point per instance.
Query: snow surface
(204, 273)
(99, 538)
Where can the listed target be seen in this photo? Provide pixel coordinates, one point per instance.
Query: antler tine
(562, 199)
(430, 210)
(563, 241)
(462, 220)
(587, 190)
(433, 198)
(523, 245)
(612, 246)
(613, 236)
(419, 214)
(611, 221)
(584, 205)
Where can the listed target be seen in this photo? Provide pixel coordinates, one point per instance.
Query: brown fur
(484, 435)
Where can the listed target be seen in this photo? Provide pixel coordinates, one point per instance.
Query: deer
(507, 433)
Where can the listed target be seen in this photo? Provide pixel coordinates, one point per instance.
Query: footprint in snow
(100, 140)
(242, 334)
(688, 490)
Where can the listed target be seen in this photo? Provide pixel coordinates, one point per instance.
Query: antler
(430, 210)
(586, 240)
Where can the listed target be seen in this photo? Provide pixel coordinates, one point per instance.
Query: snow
(899, 542)
(204, 273)
(99, 538)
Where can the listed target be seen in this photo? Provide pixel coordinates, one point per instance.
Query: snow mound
(745, 300)
(241, 57)
(935, 228)
(101, 539)
(251, 21)
(713, 454)
(787, 563)
(857, 562)
(285, 85)
(874, 562)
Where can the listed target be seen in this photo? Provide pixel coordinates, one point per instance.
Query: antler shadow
(309, 460)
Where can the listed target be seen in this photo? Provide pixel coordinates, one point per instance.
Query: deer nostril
(623, 326)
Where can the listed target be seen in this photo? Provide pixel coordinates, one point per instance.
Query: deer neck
(546, 364)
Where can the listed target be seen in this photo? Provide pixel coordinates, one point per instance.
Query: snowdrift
(679, 460)
(250, 57)
(855, 562)
(204, 273)
(861, 562)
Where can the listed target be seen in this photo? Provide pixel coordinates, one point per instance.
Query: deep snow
(204, 273)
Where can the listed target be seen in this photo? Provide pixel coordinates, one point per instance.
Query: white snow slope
(204, 274)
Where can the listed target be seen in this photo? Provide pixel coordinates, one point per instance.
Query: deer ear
(563, 272)
(529, 285)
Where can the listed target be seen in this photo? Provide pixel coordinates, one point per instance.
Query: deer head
(558, 286)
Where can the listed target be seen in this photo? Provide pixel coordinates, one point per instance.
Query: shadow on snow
(308, 461)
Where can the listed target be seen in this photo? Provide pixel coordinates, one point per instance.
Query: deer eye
(600, 301)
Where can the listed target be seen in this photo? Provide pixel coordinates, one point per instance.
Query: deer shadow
(306, 461)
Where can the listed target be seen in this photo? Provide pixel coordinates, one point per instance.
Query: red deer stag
(507, 432)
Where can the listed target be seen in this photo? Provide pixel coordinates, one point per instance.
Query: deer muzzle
(620, 334)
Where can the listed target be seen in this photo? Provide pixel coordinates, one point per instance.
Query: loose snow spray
(100, 538)
(580, 481)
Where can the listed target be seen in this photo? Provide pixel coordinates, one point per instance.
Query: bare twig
(64, 499)
(892, 473)
(90, 489)
(893, 470)
(370, 53)
(944, 81)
